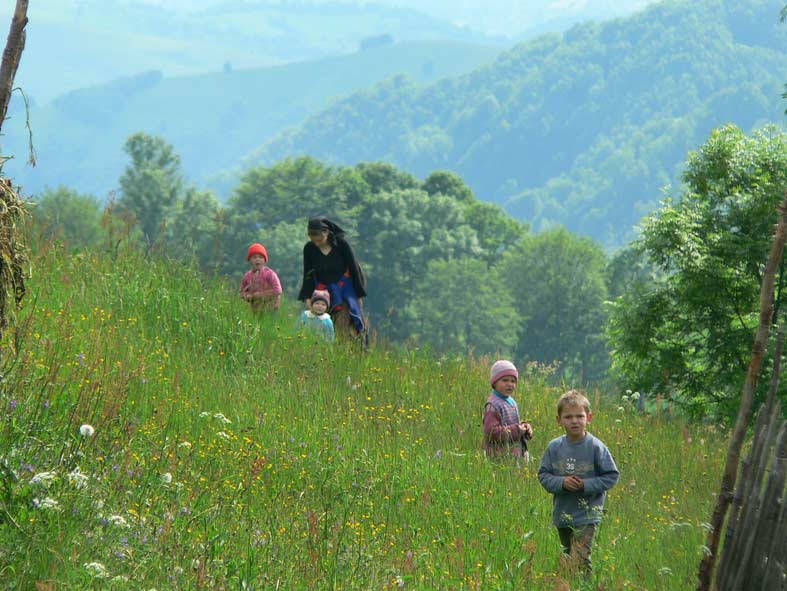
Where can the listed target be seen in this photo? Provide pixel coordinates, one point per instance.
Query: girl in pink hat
(504, 433)
(260, 286)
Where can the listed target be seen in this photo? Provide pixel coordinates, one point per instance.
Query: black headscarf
(322, 223)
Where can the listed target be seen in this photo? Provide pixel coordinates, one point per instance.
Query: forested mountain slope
(581, 129)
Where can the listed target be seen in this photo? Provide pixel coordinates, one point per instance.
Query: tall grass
(232, 453)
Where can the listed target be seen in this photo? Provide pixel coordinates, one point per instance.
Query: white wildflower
(223, 435)
(204, 414)
(43, 478)
(118, 520)
(47, 503)
(77, 479)
(186, 444)
(664, 571)
(86, 430)
(625, 398)
(635, 396)
(166, 478)
(618, 420)
(222, 418)
(621, 409)
(96, 569)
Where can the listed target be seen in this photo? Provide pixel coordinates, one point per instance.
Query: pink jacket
(261, 284)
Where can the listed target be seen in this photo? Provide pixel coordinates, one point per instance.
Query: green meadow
(230, 452)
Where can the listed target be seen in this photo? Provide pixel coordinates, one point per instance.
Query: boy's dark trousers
(577, 544)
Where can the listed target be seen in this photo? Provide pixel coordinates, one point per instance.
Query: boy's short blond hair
(573, 398)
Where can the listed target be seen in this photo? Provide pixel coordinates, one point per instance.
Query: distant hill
(212, 120)
(581, 129)
(72, 44)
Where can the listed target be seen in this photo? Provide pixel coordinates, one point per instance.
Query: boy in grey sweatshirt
(578, 470)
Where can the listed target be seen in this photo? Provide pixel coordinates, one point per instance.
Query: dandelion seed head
(87, 430)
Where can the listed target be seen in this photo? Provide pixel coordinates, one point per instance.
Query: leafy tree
(450, 184)
(399, 233)
(69, 215)
(192, 232)
(457, 307)
(151, 183)
(557, 281)
(689, 334)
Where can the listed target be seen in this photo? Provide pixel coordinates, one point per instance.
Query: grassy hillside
(212, 120)
(231, 453)
(582, 129)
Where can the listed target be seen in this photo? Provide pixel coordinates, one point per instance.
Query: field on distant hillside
(230, 452)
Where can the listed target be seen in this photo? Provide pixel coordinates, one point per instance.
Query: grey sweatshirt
(590, 460)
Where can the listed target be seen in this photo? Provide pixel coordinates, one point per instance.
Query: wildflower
(664, 571)
(46, 403)
(223, 435)
(166, 478)
(43, 478)
(621, 409)
(81, 359)
(625, 398)
(76, 478)
(635, 396)
(185, 444)
(86, 430)
(222, 418)
(439, 454)
(96, 569)
(12, 405)
(46, 504)
(118, 520)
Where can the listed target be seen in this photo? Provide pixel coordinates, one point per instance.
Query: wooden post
(747, 400)
(11, 56)
(759, 561)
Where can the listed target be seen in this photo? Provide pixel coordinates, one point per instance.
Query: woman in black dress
(329, 263)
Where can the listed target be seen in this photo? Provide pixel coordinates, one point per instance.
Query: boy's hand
(573, 483)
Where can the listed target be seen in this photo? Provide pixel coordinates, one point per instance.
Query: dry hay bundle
(13, 254)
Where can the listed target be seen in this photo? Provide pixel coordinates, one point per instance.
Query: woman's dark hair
(321, 223)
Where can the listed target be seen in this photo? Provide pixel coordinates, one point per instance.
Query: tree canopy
(688, 335)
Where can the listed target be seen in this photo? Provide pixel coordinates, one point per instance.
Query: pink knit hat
(501, 369)
(321, 294)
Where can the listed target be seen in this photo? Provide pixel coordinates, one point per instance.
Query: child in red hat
(260, 286)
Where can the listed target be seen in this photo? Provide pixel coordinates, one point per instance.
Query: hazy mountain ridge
(582, 129)
(212, 119)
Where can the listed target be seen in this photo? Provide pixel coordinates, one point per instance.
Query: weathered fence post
(747, 399)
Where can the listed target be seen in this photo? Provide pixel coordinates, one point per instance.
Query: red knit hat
(257, 248)
(321, 294)
(502, 369)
